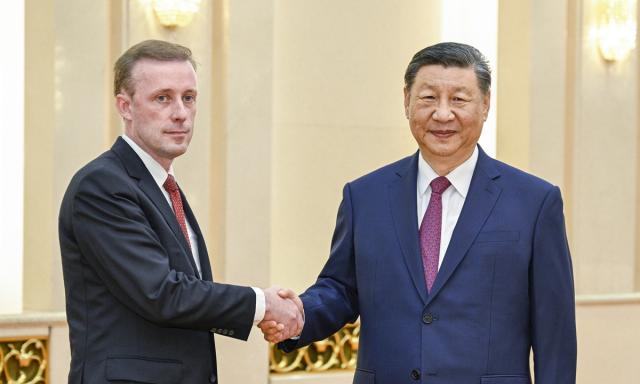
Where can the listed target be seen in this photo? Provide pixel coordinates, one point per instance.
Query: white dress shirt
(159, 175)
(452, 198)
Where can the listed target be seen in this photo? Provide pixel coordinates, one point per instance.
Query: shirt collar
(460, 177)
(158, 173)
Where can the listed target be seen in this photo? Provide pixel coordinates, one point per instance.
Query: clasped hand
(284, 315)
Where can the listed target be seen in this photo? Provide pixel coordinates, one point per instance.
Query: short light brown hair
(149, 49)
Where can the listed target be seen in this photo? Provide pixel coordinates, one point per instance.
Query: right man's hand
(284, 315)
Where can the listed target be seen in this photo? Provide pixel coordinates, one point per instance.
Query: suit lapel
(403, 203)
(205, 265)
(481, 198)
(136, 169)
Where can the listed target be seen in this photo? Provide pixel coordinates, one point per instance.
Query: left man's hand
(275, 332)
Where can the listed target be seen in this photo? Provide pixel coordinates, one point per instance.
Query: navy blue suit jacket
(137, 309)
(505, 284)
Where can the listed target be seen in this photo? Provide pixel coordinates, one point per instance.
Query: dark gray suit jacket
(137, 309)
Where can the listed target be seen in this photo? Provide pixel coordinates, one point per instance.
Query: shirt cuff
(260, 305)
(296, 338)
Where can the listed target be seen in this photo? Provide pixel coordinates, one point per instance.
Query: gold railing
(339, 351)
(23, 360)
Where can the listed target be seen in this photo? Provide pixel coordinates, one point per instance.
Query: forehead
(441, 77)
(163, 74)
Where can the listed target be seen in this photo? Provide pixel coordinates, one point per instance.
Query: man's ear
(407, 96)
(486, 103)
(123, 105)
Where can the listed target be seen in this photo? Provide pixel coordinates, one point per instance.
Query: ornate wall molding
(23, 360)
(34, 348)
(340, 351)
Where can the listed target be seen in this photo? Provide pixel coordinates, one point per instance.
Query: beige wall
(609, 343)
(605, 152)
(568, 116)
(66, 111)
(338, 113)
(299, 97)
(579, 129)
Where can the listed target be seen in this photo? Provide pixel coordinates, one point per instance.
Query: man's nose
(179, 111)
(442, 112)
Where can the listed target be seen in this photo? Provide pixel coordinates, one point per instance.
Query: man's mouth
(176, 133)
(443, 134)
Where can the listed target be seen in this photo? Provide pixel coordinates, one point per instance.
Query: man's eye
(459, 100)
(189, 98)
(162, 98)
(428, 97)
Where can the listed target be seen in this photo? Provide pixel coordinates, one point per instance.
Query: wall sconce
(175, 13)
(615, 30)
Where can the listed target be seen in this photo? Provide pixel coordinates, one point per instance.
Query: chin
(441, 150)
(177, 150)
(180, 151)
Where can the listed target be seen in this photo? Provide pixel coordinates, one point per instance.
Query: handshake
(283, 316)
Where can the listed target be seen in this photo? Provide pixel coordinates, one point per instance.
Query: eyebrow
(457, 89)
(169, 90)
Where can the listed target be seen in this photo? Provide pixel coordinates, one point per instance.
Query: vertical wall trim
(116, 26)
(637, 165)
(571, 116)
(218, 154)
(12, 101)
(514, 85)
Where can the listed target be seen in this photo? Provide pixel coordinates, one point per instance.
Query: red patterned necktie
(171, 186)
(430, 230)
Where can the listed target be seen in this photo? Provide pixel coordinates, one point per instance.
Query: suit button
(415, 374)
(231, 332)
(427, 318)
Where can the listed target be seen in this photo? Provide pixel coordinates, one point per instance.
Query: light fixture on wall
(615, 29)
(175, 13)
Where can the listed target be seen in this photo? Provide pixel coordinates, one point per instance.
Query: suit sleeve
(120, 245)
(332, 301)
(552, 297)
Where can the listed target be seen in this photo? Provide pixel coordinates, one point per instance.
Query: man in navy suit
(142, 306)
(457, 264)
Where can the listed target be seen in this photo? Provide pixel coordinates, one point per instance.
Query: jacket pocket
(505, 379)
(498, 237)
(143, 370)
(364, 377)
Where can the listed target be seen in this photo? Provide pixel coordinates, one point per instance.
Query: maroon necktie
(430, 230)
(174, 194)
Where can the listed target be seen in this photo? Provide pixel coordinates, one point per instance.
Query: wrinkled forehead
(436, 76)
(145, 67)
(177, 74)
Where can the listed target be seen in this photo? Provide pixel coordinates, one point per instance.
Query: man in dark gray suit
(141, 302)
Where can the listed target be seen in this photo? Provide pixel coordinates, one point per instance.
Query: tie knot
(170, 184)
(440, 184)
